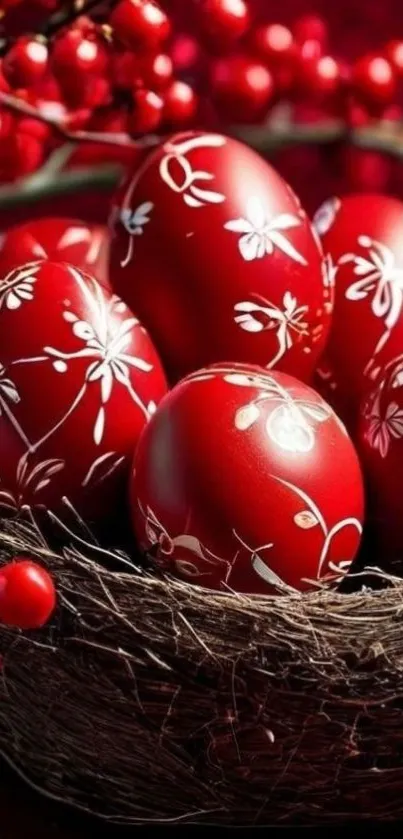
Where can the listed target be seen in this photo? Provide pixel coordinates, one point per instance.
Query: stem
(106, 138)
(102, 178)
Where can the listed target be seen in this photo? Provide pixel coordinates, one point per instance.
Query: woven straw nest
(148, 700)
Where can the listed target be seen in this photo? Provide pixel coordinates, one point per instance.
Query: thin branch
(384, 137)
(106, 138)
(50, 185)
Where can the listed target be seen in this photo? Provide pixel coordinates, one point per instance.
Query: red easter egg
(247, 479)
(79, 379)
(212, 250)
(362, 237)
(60, 239)
(380, 446)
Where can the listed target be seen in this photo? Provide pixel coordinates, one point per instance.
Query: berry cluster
(132, 67)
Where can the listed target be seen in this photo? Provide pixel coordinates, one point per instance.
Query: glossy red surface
(231, 483)
(363, 237)
(79, 379)
(61, 239)
(214, 253)
(27, 594)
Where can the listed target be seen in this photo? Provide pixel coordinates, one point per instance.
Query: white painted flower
(379, 274)
(177, 172)
(105, 343)
(253, 317)
(134, 222)
(18, 286)
(325, 216)
(261, 235)
(384, 426)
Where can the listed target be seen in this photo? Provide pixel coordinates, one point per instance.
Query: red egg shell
(380, 446)
(247, 479)
(79, 379)
(212, 250)
(59, 239)
(362, 237)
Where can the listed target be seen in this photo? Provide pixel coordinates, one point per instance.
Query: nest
(147, 700)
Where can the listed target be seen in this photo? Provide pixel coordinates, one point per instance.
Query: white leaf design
(325, 216)
(306, 519)
(266, 573)
(320, 413)
(186, 568)
(246, 417)
(99, 426)
(287, 428)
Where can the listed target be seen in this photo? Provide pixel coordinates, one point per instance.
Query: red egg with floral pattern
(79, 380)
(380, 446)
(362, 238)
(59, 239)
(213, 251)
(231, 483)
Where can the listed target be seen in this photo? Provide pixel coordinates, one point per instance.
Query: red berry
(125, 72)
(185, 53)
(311, 28)
(147, 114)
(27, 594)
(242, 88)
(319, 78)
(6, 123)
(140, 24)
(374, 80)
(394, 54)
(156, 71)
(26, 62)
(4, 85)
(223, 21)
(273, 44)
(74, 55)
(180, 104)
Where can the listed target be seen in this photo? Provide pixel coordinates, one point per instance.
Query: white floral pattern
(193, 184)
(163, 546)
(384, 425)
(18, 286)
(253, 317)
(377, 273)
(108, 361)
(260, 235)
(290, 423)
(325, 216)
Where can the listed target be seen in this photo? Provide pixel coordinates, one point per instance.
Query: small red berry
(180, 104)
(273, 44)
(26, 62)
(27, 594)
(4, 85)
(185, 52)
(223, 21)
(242, 88)
(125, 72)
(139, 24)
(394, 54)
(319, 78)
(6, 123)
(157, 71)
(374, 80)
(311, 28)
(74, 55)
(147, 115)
